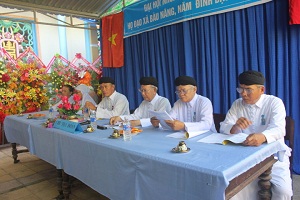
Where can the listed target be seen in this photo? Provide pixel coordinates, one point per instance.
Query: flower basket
(68, 110)
(22, 87)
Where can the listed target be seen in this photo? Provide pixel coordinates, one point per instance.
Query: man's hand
(241, 124)
(154, 122)
(176, 125)
(255, 139)
(114, 120)
(134, 123)
(90, 105)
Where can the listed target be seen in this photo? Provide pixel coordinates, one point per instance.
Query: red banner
(112, 40)
(294, 11)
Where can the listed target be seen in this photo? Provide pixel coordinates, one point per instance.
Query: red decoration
(112, 40)
(294, 11)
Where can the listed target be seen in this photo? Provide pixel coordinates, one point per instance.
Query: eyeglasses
(247, 90)
(144, 90)
(184, 91)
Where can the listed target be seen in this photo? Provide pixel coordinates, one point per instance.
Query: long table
(144, 168)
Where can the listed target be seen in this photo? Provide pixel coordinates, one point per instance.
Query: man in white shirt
(152, 101)
(263, 118)
(191, 112)
(113, 103)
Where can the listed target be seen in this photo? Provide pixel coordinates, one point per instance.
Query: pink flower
(78, 55)
(76, 106)
(76, 97)
(64, 99)
(68, 106)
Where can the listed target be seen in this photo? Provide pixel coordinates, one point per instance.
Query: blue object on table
(69, 126)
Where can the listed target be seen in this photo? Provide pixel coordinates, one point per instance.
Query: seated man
(263, 118)
(191, 112)
(152, 101)
(113, 103)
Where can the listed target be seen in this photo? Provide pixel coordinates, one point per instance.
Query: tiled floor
(35, 179)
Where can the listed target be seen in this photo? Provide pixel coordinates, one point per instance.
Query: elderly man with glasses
(191, 112)
(263, 118)
(152, 101)
(113, 103)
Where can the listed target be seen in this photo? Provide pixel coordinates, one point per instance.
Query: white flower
(81, 74)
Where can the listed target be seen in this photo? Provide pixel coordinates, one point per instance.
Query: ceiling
(91, 9)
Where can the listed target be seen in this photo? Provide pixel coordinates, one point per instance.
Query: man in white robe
(191, 112)
(113, 103)
(152, 101)
(263, 118)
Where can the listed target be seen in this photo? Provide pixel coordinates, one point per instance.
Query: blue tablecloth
(144, 168)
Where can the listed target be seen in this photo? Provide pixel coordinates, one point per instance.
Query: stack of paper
(161, 116)
(224, 138)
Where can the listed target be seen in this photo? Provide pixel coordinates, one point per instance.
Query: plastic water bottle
(50, 114)
(93, 119)
(86, 115)
(126, 130)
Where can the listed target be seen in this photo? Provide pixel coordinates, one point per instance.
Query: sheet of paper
(194, 133)
(162, 116)
(180, 135)
(186, 135)
(214, 138)
(223, 138)
(238, 138)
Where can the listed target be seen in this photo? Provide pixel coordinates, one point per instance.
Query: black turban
(252, 78)
(106, 80)
(149, 81)
(185, 80)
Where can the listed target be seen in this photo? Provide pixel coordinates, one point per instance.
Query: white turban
(84, 89)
